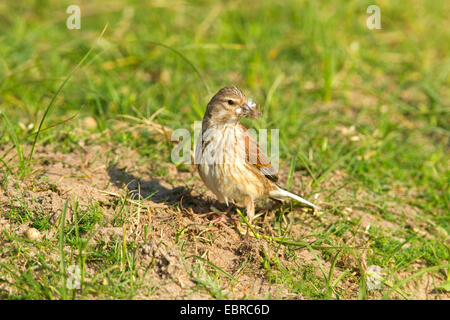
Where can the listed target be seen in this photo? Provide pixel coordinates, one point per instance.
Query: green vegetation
(364, 126)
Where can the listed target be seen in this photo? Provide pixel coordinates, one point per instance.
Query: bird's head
(229, 105)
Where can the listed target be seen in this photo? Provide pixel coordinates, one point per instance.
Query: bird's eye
(230, 102)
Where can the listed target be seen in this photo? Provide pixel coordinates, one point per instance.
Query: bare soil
(175, 205)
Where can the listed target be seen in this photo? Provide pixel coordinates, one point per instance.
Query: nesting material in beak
(249, 109)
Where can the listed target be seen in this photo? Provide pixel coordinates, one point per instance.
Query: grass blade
(57, 93)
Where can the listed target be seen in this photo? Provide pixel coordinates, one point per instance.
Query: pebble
(33, 234)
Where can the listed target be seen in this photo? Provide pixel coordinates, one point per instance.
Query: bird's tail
(281, 194)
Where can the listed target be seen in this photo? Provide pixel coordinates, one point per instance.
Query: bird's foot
(223, 215)
(222, 218)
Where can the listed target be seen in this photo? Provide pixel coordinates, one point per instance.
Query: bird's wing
(257, 158)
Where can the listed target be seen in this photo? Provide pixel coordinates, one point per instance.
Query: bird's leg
(246, 235)
(250, 208)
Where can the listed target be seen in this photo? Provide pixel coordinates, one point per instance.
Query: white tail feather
(280, 194)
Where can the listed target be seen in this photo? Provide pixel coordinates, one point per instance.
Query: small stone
(33, 234)
(90, 122)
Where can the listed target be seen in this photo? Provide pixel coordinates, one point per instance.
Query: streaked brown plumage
(229, 160)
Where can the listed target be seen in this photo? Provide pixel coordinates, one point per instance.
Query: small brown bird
(229, 160)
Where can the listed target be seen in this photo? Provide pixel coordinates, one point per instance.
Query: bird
(229, 160)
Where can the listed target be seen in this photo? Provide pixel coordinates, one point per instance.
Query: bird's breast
(222, 164)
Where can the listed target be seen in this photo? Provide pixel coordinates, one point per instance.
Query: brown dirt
(179, 203)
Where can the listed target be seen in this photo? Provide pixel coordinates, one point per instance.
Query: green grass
(363, 118)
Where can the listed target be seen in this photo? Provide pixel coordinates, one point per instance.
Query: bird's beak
(249, 110)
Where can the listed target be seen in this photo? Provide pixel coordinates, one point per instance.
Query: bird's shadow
(154, 191)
